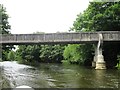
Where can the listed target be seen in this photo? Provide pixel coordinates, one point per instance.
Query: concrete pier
(100, 63)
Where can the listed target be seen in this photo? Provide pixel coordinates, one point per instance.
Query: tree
(51, 53)
(28, 53)
(11, 56)
(40, 53)
(4, 29)
(101, 16)
(72, 53)
(78, 54)
(4, 24)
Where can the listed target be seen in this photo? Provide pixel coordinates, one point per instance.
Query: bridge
(96, 38)
(47, 38)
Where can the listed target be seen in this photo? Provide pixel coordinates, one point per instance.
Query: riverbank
(4, 83)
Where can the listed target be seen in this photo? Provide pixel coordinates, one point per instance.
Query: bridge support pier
(100, 63)
(94, 62)
(99, 58)
(94, 58)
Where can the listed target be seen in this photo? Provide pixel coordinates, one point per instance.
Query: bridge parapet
(80, 37)
(112, 35)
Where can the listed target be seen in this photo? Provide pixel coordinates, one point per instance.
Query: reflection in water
(58, 76)
(100, 77)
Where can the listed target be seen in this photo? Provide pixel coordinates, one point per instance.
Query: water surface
(57, 76)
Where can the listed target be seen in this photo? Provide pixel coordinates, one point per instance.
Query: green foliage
(72, 53)
(51, 53)
(4, 29)
(11, 56)
(28, 53)
(4, 25)
(77, 53)
(40, 53)
(100, 16)
(118, 58)
(118, 64)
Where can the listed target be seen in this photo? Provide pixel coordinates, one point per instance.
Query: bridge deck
(81, 37)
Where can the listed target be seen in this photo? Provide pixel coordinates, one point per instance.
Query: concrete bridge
(96, 38)
(82, 37)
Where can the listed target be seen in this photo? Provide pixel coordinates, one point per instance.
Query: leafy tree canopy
(99, 16)
(4, 29)
(4, 24)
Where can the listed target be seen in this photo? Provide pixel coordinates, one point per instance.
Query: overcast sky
(28, 16)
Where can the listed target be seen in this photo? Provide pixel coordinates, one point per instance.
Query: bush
(11, 56)
(118, 64)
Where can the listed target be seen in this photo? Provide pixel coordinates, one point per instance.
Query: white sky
(28, 16)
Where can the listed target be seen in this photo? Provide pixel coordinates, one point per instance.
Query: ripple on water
(54, 75)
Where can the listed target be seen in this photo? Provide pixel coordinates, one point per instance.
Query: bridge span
(47, 38)
(96, 38)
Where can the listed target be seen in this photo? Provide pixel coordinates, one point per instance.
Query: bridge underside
(61, 42)
(50, 42)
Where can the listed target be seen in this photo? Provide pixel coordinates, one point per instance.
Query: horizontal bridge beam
(47, 38)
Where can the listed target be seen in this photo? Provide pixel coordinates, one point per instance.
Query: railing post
(100, 63)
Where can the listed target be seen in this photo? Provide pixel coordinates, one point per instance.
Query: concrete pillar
(94, 58)
(100, 63)
(94, 62)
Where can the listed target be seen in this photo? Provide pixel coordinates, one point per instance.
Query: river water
(56, 76)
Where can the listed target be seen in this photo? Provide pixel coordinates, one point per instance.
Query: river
(56, 76)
